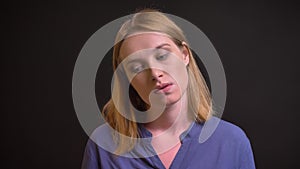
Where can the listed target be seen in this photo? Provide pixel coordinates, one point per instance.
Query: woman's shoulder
(231, 129)
(232, 134)
(102, 136)
(225, 140)
(104, 130)
(224, 130)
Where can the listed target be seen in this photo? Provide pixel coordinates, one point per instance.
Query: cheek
(182, 79)
(138, 81)
(179, 73)
(139, 84)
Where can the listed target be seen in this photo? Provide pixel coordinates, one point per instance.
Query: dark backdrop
(257, 42)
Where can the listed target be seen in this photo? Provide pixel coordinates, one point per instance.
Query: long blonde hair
(199, 99)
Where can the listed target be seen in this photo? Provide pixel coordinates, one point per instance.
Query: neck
(175, 119)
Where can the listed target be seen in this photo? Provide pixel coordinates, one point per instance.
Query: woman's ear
(185, 52)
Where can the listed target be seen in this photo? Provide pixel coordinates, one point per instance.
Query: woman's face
(155, 65)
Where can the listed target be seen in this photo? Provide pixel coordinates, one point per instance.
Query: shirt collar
(193, 130)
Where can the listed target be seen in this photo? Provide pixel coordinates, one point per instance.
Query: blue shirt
(227, 148)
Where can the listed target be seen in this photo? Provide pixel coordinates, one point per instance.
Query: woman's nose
(156, 74)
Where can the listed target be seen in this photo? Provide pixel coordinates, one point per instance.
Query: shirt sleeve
(91, 156)
(246, 156)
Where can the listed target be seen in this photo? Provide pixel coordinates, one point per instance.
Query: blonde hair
(199, 99)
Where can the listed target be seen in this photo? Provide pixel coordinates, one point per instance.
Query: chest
(168, 156)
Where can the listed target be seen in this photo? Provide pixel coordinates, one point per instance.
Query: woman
(157, 125)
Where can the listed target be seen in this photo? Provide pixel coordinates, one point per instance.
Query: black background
(258, 43)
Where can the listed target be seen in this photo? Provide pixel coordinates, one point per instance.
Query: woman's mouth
(163, 88)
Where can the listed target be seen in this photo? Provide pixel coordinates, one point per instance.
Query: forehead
(142, 41)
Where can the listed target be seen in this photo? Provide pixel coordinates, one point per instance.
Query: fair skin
(161, 72)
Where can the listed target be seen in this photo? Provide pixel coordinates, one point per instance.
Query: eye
(136, 68)
(162, 56)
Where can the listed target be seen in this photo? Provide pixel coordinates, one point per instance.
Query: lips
(163, 87)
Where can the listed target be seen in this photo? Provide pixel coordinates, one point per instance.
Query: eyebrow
(162, 45)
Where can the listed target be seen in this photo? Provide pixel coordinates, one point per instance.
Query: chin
(171, 100)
